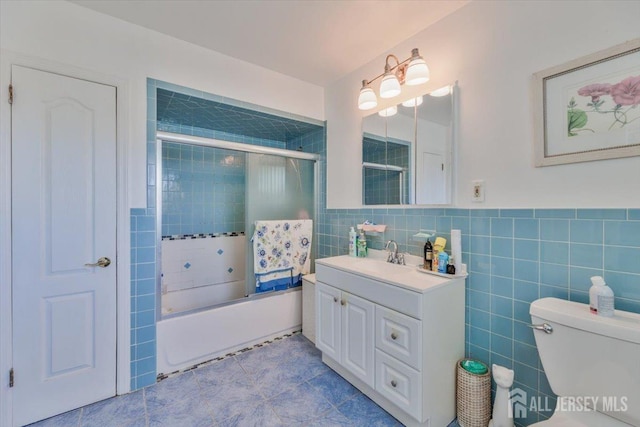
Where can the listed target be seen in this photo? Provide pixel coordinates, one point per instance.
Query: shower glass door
(277, 188)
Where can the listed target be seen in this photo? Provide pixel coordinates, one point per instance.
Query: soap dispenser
(601, 298)
(353, 239)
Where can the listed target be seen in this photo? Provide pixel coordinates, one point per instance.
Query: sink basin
(405, 276)
(376, 266)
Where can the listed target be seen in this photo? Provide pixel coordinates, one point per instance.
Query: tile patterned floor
(281, 384)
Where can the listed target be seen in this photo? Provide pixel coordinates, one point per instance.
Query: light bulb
(443, 91)
(388, 112)
(390, 86)
(417, 72)
(413, 102)
(367, 98)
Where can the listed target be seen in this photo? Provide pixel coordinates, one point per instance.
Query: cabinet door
(328, 320)
(358, 337)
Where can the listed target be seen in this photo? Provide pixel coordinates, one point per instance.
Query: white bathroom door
(63, 218)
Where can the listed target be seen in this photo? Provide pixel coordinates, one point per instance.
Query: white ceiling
(318, 41)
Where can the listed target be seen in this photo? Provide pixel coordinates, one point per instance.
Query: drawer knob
(342, 302)
(394, 383)
(335, 299)
(394, 336)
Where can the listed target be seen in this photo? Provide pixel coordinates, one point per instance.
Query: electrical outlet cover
(477, 191)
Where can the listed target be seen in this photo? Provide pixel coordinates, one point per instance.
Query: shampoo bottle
(443, 259)
(353, 249)
(601, 299)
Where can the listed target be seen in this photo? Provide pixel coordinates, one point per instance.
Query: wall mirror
(407, 151)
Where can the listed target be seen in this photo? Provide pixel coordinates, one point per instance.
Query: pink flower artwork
(595, 91)
(624, 95)
(627, 92)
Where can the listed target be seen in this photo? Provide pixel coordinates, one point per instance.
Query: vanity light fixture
(443, 91)
(412, 71)
(388, 112)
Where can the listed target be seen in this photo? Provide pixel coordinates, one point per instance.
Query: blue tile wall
(143, 298)
(184, 108)
(203, 190)
(514, 257)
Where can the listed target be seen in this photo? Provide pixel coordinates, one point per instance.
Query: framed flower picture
(589, 109)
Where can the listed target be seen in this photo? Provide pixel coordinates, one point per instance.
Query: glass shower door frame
(162, 137)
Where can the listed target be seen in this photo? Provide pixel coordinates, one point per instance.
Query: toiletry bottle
(353, 249)
(451, 268)
(362, 245)
(434, 260)
(438, 246)
(443, 259)
(428, 255)
(601, 299)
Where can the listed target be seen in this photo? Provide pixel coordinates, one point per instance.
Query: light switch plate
(477, 190)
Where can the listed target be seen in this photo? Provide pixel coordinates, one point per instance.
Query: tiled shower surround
(203, 190)
(178, 109)
(513, 255)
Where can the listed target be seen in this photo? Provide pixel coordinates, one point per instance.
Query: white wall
(492, 49)
(76, 36)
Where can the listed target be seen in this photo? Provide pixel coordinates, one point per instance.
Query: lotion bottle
(362, 245)
(353, 248)
(601, 299)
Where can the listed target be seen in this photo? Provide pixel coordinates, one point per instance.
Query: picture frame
(588, 109)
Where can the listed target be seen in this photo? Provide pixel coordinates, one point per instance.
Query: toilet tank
(589, 356)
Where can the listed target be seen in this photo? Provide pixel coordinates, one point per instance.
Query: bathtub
(201, 297)
(192, 338)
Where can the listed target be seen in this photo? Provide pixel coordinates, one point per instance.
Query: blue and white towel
(281, 252)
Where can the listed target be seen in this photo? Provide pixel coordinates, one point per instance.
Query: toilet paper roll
(456, 249)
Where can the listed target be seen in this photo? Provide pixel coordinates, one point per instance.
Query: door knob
(102, 262)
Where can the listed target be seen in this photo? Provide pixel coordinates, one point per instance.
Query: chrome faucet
(393, 256)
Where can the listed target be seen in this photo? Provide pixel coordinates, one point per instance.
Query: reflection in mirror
(407, 156)
(385, 170)
(433, 150)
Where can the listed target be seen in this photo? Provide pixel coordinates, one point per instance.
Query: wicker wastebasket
(473, 397)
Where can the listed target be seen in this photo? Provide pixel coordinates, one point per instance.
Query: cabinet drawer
(399, 383)
(399, 336)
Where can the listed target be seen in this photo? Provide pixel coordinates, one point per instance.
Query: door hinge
(442, 166)
(11, 378)
(10, 94)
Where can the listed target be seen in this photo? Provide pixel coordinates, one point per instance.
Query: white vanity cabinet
(394, 333)
(345, 330)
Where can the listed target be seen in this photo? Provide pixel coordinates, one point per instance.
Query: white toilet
(587, 357)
